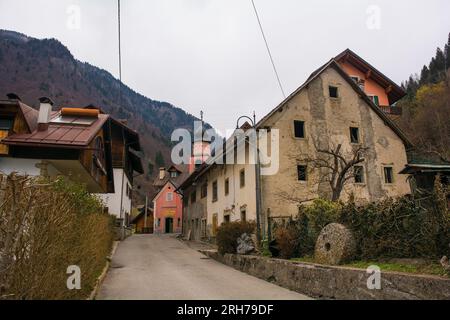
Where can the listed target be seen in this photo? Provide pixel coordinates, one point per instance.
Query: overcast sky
(209, 54)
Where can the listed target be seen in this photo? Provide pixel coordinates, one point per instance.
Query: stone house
(345, 105)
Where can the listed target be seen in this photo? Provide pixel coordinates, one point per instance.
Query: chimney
(45, 112)
(162, 173)
(13, 96)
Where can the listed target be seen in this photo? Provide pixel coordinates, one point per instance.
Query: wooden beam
(389, 89)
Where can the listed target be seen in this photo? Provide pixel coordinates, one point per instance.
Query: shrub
(320, 214)
(228, 233)
(47, 226)
(287, 241)
(391, 228)
(400, 228)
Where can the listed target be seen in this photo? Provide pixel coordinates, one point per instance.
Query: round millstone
(335, 245)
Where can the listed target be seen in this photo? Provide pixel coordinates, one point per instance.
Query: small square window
(204, 191)
(388, 175)
(354, 135)
(215, 195)
(227, 186)
(333, 92)
(242, 178)
(243, 214)
(302, 172)
(359, 174)
(194, 196)
(299, 129)
(169, 196)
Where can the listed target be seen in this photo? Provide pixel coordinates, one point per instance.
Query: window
(302, 172)
(214, 192)
(193, 196)
(98, 159)
(226, 218)
(169, 196)
(242, 178)
(388, 175)
(333, 92)
(354, 135)
(129, 191)
(355, 78)
(243, 214)
(6, 123)
(174, 174)
(299, 129)
(204, 190)
(362, 85)
(375, 100)
(227, 186)
(359, 174)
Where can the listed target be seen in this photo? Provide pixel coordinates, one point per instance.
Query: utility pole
(257, 178)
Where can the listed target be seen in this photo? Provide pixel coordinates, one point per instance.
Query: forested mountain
(33, 68)
(426, 109)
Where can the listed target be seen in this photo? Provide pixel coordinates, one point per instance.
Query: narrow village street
(164, 268)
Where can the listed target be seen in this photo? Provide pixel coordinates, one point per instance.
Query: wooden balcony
(392, 110)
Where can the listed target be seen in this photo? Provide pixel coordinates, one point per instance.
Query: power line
(268, 49)
(120, 53)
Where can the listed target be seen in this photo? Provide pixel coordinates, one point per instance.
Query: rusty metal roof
(59, 134)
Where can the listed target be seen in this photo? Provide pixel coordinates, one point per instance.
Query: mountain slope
(33, 68)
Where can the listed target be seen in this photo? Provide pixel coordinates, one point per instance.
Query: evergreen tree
(424, 75)
(159, 160)
(150, 169)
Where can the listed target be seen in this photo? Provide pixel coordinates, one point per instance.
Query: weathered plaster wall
(326, 282)
(327, 123)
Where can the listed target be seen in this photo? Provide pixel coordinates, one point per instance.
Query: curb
(102, 277)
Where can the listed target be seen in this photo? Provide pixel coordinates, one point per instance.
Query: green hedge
(392, 228)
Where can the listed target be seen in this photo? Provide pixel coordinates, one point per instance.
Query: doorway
(169, 225)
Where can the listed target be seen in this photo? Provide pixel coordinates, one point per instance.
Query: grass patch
(306, 259)
(430, 268)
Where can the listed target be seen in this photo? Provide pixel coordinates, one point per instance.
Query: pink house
(168, 204)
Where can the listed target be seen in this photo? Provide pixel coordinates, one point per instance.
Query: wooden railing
(391, 110)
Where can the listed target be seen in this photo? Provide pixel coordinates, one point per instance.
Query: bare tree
(336, 166)
(339, 166)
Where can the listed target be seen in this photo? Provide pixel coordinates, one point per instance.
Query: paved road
(163, 268)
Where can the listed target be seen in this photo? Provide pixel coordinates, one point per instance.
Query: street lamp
(258, 176)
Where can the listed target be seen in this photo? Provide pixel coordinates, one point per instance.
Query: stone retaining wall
(328, 282)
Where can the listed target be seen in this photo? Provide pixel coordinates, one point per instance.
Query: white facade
(112, 200)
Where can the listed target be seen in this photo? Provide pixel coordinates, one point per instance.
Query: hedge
(45, 227)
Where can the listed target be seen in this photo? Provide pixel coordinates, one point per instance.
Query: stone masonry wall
(327, 282)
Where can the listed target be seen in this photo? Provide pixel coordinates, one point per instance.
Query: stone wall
(327, 282)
